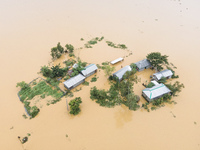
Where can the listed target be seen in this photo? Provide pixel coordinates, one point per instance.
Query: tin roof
(121, 72)
(156, 91)
(88, 69)
(143, 63)
(116, 60)
(74, 80)
(164, 73)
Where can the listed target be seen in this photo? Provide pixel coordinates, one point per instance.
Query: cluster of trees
(157, 60)
(54, 71)
(74, 106)
(119, 93)
(56, 52)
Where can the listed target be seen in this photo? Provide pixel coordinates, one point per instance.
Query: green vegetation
(57, 51)
(108, 70)
(94, 79)
(175, 88)
(54, 71)
(82, 39)
(69, 48)
(28, 134)
(93, 42)
(133, 66)
(25, 117)
(42, 89)
(111, 44)
(157, 60)
(119, 93)
(86, 83)
(150, 85)
(74, 106)
(79, 68)
(69, 62)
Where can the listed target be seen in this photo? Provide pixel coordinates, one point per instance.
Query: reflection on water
(122, 116)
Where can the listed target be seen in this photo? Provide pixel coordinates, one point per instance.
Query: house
(119, 74)
(117, 60)
(74, 81)
(143, 64)
(155, 92)
(165, 73)
(89, 70)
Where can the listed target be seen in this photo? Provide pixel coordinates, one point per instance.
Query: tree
(57, 51)
(131, 101)
(46, 71)
(108, 70)
(69, 47)
(22, 84)
(57, 71)
(175, 88)
(74, 106)
(157, 60)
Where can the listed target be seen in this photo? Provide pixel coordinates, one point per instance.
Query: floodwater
(28, 29)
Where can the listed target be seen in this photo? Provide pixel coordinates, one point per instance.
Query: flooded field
(29, 29)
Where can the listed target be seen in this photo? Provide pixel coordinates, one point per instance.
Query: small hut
(89, 70)
(117, 60)
(119, 74)
(143, 64)
(165, 73)
(74, 81)
(155, 92)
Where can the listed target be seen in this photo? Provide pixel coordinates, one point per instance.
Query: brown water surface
(28, 30)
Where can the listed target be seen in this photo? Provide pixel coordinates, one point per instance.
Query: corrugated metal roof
(121, 72)
(143, 63)
(116, 60)
(155, 82)
(156, 91)
(74, 80)
(88, 69)
(164, 73)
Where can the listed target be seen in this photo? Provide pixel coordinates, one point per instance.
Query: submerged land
(29, 31)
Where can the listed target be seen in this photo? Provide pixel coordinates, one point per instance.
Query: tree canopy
(74, 106)
(157, 60)
(57, 51)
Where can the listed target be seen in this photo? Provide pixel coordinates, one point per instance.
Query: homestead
(74, 81)
(163, 74)
(89, 70)
(119, 74)
(143, 64)
(117, 60)
(157, 91)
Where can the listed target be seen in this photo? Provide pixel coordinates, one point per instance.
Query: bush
(57, 51)
(94, 79)
(74, 106)
(70, 48)
(150, 85)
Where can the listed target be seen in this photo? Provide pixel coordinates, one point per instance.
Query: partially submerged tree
(22, 84)
(175, 88)
(157, 60)
(57, 51)
(74, 106)
(108, 70)
(69, 48)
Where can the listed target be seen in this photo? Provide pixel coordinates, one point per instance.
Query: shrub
(74, 106)
(70, 48)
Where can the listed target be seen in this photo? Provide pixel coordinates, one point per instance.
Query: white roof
(121, 72)
(155, 82)
(74, 80)
(143, 63)
(156, 91)
(88, 69)
(116, 60)
(164, 73)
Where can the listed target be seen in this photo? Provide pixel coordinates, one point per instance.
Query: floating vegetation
(25, 117)
(93, 42)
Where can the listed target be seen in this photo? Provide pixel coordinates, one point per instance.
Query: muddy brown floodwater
(28, 29)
